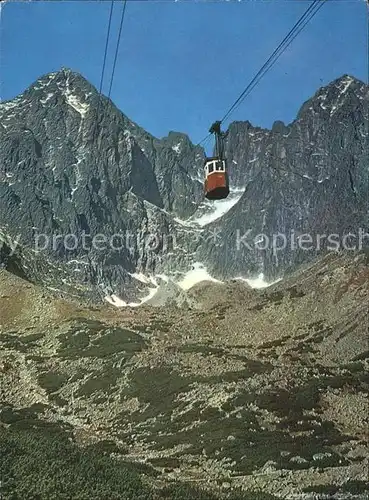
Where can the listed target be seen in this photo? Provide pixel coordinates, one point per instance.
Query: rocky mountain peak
(62, 80)
(279, 127)
(341, 95)
(180, 143)
(70, 164)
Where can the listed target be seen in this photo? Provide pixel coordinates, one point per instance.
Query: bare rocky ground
(249, 391)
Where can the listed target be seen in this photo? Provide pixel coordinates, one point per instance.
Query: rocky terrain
(73, 166)
(220, 391)
(238, 393)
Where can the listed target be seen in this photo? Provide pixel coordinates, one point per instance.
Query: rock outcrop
(88, 198)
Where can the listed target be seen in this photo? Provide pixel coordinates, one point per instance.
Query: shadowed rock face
(311, 176)
(72, 163)
(258, 390)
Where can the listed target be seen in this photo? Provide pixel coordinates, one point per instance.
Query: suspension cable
(106, 45)
(117, 47)
(203, 140)
(258, 77)
(104, 64)
(274, 56)
(297, 28)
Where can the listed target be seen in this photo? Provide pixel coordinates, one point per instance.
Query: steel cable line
(312, 14)
(258, 77)
(104, 63)
(203, 140)
(274, 56)
(117, 47)
(106, 52)
(272, 59)
(106, 45)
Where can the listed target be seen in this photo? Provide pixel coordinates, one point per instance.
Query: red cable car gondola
(216, 175)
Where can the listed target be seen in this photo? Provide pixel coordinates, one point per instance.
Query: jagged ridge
(69, 164)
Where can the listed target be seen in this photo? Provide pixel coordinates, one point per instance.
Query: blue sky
(182, 64)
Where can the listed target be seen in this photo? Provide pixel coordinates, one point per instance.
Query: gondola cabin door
(216, 179)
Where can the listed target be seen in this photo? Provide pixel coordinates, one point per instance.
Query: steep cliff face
(73, 167)
(310, 177)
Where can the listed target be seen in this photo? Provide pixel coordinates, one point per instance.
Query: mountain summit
(72, 164)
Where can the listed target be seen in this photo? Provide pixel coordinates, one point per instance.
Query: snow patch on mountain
(118, 302)
(141, 277)
(155, 282)
(73, 100)
(47, 98)
(345, 83)
(197, 274)
(158, 285)
(214, 210)
(76, 104)
(258, 281)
